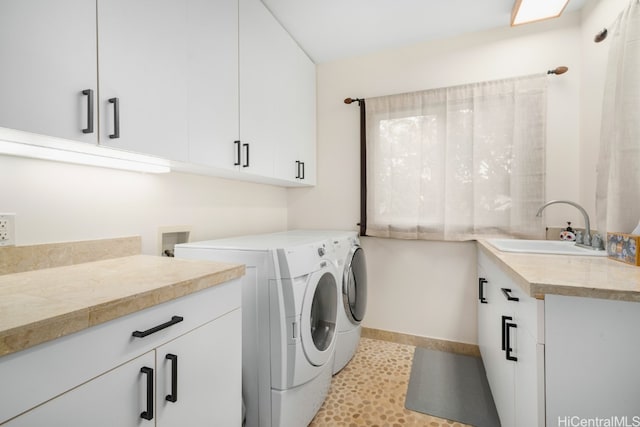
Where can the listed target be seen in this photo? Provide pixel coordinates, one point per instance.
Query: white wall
(429, 288)
(57, 202)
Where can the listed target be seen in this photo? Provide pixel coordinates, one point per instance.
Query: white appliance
(289, 309)
(353, 272)
(350, 261)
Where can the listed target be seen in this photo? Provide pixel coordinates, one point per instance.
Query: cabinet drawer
(47, 370)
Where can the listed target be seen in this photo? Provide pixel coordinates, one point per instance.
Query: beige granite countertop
(584, 276)
(41, 305)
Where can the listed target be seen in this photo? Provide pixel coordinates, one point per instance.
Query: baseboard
(425, 342)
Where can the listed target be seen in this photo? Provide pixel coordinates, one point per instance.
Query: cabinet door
(213, 82)
(269, 77)
(48, 51)
(209, 380)
(142, 63)
(592, 348)
(297, 103)
(529, 382)
(116, 398)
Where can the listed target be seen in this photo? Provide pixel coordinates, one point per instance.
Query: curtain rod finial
(558, 70)
(601, 36)
(351, 100)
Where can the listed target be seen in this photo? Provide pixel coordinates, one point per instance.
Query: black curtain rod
(363, 164)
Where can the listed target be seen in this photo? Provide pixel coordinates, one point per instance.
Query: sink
(554, 247)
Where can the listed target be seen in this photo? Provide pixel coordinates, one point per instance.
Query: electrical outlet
(7, 229)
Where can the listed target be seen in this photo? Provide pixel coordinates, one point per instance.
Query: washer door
(318, 317)
(354, 285)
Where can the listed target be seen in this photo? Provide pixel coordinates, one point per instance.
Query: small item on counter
(623, 247)
(568, 234)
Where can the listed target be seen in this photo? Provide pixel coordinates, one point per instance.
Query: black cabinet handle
(237, 161)
(89, 93)
(173, 321)
(504, 331)
(508, 348)
(299, 169)
(246, 157)
(481, 282)
(148, 414)
(507, 295)
(173, 397)
(116, 117)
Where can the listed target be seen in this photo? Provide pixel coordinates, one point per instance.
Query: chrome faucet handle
(579, 237)
(597, 242)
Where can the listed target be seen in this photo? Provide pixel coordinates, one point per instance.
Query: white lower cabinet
(592, 361)
(576, 357)
(184, 373)
(512, 346)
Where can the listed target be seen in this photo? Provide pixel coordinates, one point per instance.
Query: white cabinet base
(592, 351)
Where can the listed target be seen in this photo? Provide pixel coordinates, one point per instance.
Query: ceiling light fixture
(23, 144)
(526, 11)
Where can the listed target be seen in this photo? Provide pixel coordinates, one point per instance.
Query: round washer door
(354, 285)
(318, 317)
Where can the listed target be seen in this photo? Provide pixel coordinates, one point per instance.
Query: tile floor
(370, 391)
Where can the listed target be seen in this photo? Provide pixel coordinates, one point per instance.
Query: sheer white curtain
(457, 163)
(618, 175)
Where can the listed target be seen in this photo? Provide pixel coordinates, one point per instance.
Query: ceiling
(334, 29)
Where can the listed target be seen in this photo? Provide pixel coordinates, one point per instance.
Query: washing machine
(290, 296)
(349, 258)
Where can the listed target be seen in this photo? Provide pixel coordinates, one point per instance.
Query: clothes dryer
(349, 258)
(289, 309)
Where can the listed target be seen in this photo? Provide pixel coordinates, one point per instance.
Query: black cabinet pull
(116, 117)
(237, 160)
(504, 331)
(507, 295)
(148, 414)
(246, 157)
(508, 348)
(481, 282)
(89, 93)
(173, 321)
(173, 397)
(299, 169)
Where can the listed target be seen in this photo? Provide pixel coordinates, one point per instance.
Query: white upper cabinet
(296, 153)
(48, 51)
(142, 61)
(277, 96)
(216, 86)
(212, 66)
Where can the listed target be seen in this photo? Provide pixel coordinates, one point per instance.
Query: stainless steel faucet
(587, 223)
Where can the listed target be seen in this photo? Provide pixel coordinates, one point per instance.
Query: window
(457, 163)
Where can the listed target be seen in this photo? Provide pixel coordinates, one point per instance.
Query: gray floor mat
(451, 386)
